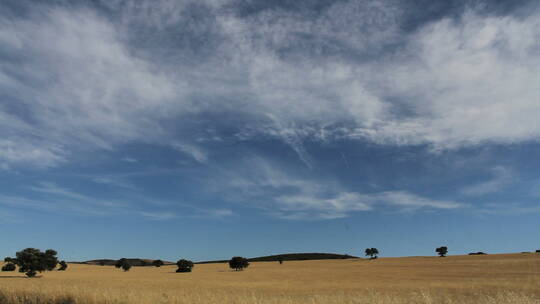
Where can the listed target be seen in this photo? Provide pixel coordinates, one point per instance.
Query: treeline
(30, 261)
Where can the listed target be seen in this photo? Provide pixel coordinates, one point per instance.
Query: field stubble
(508, 278)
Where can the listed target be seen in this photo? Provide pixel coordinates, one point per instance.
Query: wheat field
(501, 278)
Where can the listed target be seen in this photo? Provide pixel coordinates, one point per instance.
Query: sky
(207, 129)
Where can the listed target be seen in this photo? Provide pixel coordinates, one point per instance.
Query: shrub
(9, 267)
(238, 263)
(184, 265)
(157, 263)
(126, 266)
(32, 260)
(120, 262)
(442, 251)
(63, 266)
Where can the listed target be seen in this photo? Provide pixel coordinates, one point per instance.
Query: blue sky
(207, 129)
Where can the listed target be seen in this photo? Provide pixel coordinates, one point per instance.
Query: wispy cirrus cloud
(450, 83)
(502, 177)
(283, 195)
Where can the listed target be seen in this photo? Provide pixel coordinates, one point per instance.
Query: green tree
(50, 259)
(184, 265)
(9, 267)
(63, 266)
(442, 251)
(238, 263)
(372, 252)
(158, 263)
(126, 266)
(32, 260)
(120, 262)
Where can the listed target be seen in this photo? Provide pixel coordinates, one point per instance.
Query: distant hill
(292, 257)
(269, 258)
(132, 261)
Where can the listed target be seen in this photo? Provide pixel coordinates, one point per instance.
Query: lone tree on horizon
(157, 263)
(442, 251)
(32, 260)
(184, 265)
(238, 263)
(63, 266)
(372, 252)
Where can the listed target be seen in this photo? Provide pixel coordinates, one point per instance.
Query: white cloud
(158, 216)
(194, 213)
(409, 201)
(21, 152)
(502, 177)
(283, 195)
(79, 80)
(78, 87)
(113, 181)
(467, 81)
(130, 160)
(194, 151)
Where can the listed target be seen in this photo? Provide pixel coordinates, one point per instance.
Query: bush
(63, 266)
(238, 263)
(126, 266)
(120, 262)
(9, 267)
(184, 265)
(158, 263)
(32, 260)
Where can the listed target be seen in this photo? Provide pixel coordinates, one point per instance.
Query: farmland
(500, 278)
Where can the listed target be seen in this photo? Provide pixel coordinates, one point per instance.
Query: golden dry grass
(508, 278)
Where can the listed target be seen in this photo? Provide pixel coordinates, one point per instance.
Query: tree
(63, 266)
(32, 260)
(184, 265)
(120, 262)
(372, 252)
(238, 263)
(442, 251)
(126, 265)
(158, 263)
(9, 267)
(50, 259)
